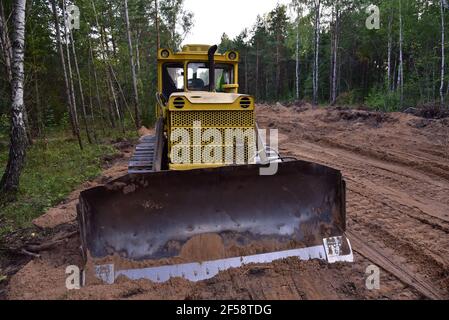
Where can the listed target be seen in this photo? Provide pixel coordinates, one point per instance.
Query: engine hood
(205, 97)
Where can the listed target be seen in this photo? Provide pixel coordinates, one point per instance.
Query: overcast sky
(212, 18)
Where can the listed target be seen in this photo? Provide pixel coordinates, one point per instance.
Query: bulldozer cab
(189, 70)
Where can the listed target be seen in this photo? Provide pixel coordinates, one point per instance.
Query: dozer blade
(193, 224)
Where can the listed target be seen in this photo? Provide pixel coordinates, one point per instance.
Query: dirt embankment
(397, 172)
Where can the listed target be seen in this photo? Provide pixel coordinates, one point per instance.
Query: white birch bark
(18, 135)
(442, 54)
(401, 62)
(316, 52)
(133, 67)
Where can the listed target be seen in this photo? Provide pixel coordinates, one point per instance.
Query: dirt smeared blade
(208, 214)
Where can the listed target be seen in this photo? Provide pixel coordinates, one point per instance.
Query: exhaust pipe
(210, 54)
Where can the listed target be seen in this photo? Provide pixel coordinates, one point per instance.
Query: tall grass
(54, 167)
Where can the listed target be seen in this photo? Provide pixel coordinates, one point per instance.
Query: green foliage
(349, 98)
(362, 53)
(383, 101)
(4, 124)
(54, 167)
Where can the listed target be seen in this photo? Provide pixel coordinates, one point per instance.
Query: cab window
(172, 78)
(198, 76)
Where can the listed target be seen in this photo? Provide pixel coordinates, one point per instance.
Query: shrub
(383, 101)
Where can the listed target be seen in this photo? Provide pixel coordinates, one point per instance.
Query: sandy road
(397, 172)
(398, 188)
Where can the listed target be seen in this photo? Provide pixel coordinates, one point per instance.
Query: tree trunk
(390, 44)
(97, 90)
(297, 58)
(80, 85)
(266, 83)
(114, 97)
(5, 43)
(433, 81)
(6, 48)
(111, 21)
(278, 66)
(122, 94)
(91, 104)
(70, 74)
(335, 55)
(9, 183)
(316, 52)
(401, 62)
(246, 71)
(40, 125)
(393, 82)
(158, 38)
(138, 65)
(75, 129)
(442, 55)
(257, 69)
(133, 68)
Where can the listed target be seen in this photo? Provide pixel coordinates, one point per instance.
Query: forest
(323, 51)
(66, 88)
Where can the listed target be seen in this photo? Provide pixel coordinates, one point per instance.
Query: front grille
(213, 119)
(236, 140)
(226, 154)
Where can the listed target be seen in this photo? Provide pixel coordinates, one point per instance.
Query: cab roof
(196, 51)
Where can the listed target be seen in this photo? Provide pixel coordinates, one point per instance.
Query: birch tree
(9, 183)
(70, 75)
(390, 44)
(400, 85)
(6, 49)
(156, 20)
(316, 51)
(81, 90)
(133, 67)
(334, 57)
(442, 54)
(75, 128)
(297, 7)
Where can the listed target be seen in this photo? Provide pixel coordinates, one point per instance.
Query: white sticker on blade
(105, 272)
(338, 249)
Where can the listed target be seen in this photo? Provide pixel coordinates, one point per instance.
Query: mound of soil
(429, 111)
(368, 118)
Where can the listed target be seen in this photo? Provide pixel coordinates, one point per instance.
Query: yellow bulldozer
(207, 192)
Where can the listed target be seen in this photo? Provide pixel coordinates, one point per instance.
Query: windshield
(198, 76)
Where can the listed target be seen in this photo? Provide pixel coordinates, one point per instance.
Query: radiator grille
(231, 118)
(236, 141)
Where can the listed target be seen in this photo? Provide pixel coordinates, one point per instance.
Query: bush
(349, 98)
(383, 101)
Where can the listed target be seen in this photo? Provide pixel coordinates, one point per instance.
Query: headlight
(165, 53)
(232, 55)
